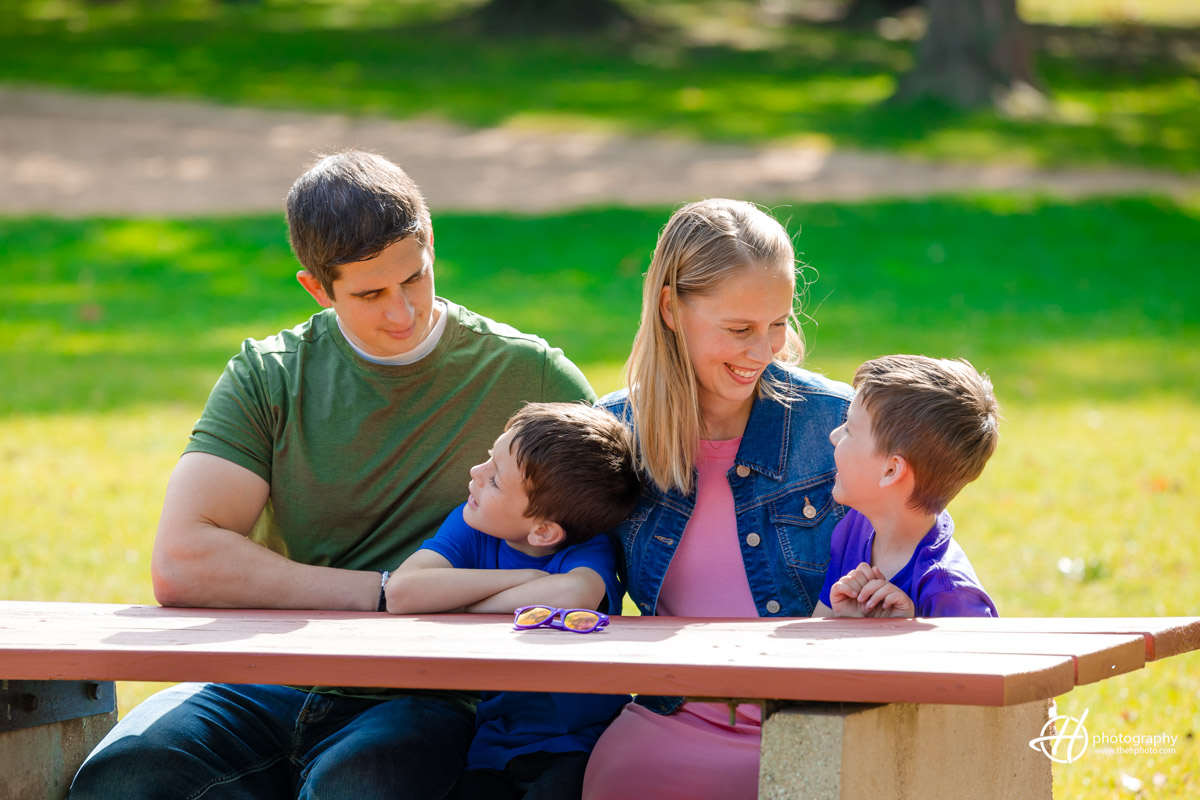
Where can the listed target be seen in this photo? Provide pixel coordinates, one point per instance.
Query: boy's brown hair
(577, 462)
(349, 207)
(939, 414)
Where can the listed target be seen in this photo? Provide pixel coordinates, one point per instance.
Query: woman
(737, 515)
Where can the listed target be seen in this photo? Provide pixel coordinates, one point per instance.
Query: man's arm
(582, 587)
(427, 583)
(202, 556)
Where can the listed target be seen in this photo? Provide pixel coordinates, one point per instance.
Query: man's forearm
(210, 567)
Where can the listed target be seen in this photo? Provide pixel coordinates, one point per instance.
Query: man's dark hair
(578, 467)
(349, 207)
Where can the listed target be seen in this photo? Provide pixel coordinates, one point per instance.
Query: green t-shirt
(366, 460)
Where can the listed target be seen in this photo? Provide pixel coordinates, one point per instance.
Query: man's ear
(664, 307)
(547, 534)
(314, 287)
(896, 470)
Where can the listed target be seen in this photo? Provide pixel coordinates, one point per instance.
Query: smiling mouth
(404, 334)
(744, 374)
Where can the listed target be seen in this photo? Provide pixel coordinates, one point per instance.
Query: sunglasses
(576, 620)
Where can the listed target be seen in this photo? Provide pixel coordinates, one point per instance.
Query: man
(325, 455)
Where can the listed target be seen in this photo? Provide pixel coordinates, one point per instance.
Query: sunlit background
(1050, 234)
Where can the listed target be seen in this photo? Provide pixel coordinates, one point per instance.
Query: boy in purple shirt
(918, 430)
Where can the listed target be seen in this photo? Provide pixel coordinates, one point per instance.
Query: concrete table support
(47, 729)
(904, 751)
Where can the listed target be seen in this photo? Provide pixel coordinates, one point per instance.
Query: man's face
(385, 303)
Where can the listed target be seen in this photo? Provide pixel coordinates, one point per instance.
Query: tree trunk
(974, 53)
(541, 17)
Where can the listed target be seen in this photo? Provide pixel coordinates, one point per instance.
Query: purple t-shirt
(938, 577)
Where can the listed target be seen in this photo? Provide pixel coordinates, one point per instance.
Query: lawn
(1121, 93)
(1082, 312)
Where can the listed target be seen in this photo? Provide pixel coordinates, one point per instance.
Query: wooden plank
(1164, 636)
(1096, 656)
(644, 655)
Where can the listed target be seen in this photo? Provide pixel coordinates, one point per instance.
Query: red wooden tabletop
(973, 662)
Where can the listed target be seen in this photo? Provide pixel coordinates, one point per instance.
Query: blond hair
(702, 246)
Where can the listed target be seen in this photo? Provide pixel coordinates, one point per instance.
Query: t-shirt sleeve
(238, 423)
(961, 601)
(837, 557)
(457, 542)
(597, 553)
(562, 381)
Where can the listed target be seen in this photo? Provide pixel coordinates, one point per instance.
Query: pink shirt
(707, 756)
(706, 577)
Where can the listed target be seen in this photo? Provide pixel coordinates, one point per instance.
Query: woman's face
(732, 335)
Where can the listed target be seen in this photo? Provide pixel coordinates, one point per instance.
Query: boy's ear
(895, 471)
(547, 534)
(314, 287)
(664, 307)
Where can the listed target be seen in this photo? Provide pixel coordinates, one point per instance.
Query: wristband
(383, 579)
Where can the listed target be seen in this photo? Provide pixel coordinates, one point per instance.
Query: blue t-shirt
(938, 577)
(509, 724)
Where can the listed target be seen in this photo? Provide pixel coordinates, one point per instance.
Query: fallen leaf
(1130, 783)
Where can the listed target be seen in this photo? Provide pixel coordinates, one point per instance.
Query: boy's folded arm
(428, 583)
(582, 587)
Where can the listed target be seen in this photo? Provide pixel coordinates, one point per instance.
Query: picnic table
(895, 708)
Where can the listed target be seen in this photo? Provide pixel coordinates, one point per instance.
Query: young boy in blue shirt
(918, 430)
(558, 476)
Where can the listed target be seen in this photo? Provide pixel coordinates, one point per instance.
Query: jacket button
(753, 539)
(743, 471)
(773, 606)
(809, 510)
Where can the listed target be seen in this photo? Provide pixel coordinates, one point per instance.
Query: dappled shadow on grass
(1056, 300)
(812, 81)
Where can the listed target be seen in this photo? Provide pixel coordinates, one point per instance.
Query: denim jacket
(782, 482)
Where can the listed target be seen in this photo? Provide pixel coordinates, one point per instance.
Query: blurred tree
(974, 53)
(871, 10)
(554, 16)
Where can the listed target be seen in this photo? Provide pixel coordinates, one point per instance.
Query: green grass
(1083, 313)
(1138, 105)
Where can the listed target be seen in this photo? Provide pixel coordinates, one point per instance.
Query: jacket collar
(765, 441)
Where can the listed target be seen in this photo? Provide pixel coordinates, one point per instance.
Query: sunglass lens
(581, 620)
(534, 616)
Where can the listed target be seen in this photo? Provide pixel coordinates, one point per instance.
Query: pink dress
(694, 753)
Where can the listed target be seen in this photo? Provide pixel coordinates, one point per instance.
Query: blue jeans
(532, 776)
(264, 742)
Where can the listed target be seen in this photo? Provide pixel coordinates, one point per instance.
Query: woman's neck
(722, 421)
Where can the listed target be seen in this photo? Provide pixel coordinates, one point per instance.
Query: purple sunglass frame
(555, 620)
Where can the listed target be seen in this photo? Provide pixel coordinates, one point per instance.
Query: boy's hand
(885, 599)
(866, 592)
(843, 596)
